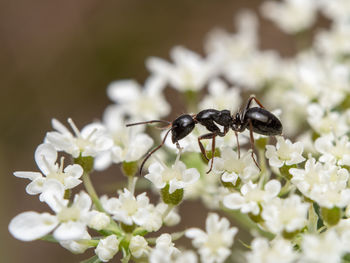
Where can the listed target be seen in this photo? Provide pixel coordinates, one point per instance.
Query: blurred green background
(56, 59)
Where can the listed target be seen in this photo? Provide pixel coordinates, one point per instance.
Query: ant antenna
(153, 151)
(147, 122)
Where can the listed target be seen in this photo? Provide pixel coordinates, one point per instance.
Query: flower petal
(70, 231)
(29, 226)
(45, 158)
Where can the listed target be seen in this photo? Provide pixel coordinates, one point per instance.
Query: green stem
(247, 223)
(286, 188)
(131, 184)
(167, 211)
(91, 191)
(264, 174)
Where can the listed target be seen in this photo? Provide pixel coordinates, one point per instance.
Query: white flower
(107, 248)
(213, 245)
(130, 209)
(288, 214)
(337, 10)
(77, 246)
(178, 177)
(227, 47)
(306, 178)
(139, 103)
(98, 220)
(250, 198)
(69, 220)
(221, 97)
(45, 157)
(139, 247)
(278, 250)
(291, 16)
(326, 122)
(129, 143)
(208, 189)
(90, 141)
(73, 218)
(230, 167)
(187, 256)
(334, 42)
(325, 184)
(323, 248)
(164, 251)
(284, 153)
(334, 150)
(31, 225)
(253, 71)
(189, 71)
(343, 231)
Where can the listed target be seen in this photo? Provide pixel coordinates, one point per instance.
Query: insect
(255, 119)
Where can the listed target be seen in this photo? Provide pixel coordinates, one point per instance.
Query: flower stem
(247, 223)
(91, 191)
(94, 197)
(167, 211)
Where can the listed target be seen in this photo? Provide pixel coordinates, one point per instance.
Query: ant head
(236, 123)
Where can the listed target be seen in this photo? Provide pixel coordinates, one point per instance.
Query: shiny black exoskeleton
(255, 119)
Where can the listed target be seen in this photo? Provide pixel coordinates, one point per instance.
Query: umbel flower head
(46, 157)
(91, 140)
(177, 177)
(130, 210)
(213, 245)
(296, 209)
(129, 145)
(68, 223)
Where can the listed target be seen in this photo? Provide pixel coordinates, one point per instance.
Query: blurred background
(56, 60)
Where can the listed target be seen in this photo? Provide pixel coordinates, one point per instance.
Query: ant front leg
(154, 150)
(212, 136)
(252, 143)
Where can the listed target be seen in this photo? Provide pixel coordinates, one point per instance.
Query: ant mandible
(256, 119)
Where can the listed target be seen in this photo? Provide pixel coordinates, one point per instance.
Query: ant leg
(252, 97)
(212, 154)
(153, 151)
(238, 147)
(252, 143)
(201, 145)
(147, 122)
(208, 136)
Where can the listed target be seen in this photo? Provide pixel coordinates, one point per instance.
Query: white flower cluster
(292, 194)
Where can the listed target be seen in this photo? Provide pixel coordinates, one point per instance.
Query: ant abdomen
(181, 127)
(263, 121)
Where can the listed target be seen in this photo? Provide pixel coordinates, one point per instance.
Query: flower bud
(98, 220)
(138, 246)
(107, 248)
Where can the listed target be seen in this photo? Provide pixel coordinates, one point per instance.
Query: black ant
(256, 119)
